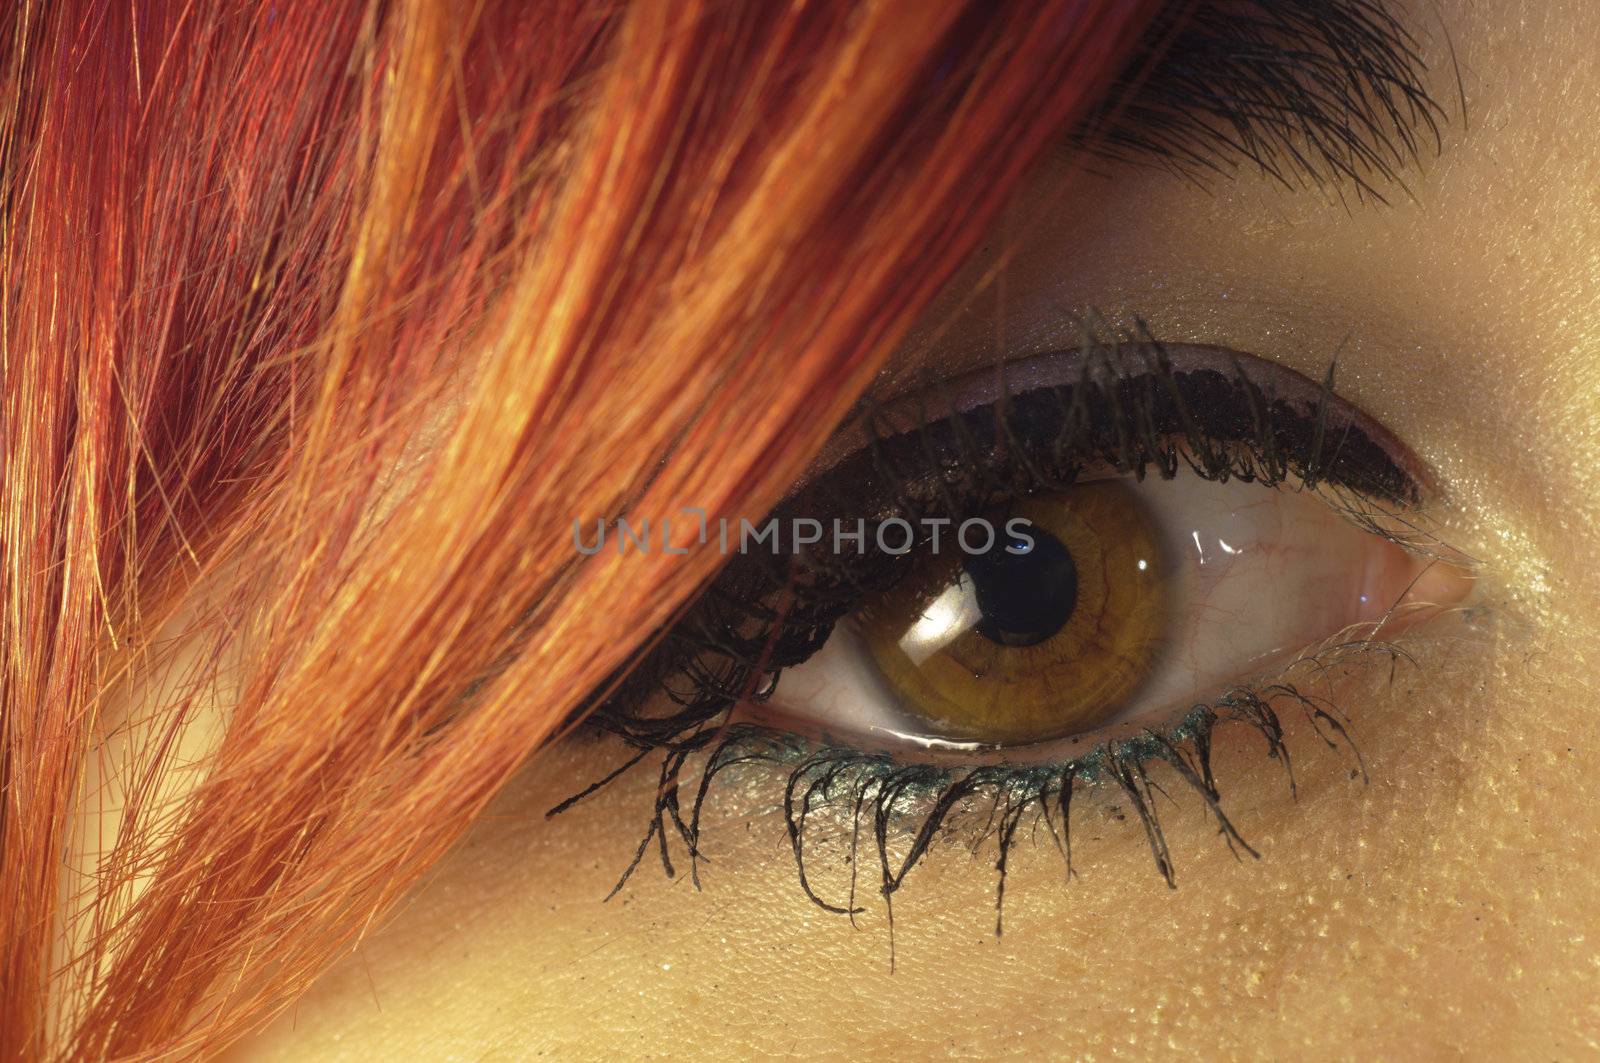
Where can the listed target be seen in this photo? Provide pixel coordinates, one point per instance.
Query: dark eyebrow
(1314, 93)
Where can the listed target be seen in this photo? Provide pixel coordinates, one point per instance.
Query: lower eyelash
(918, 801)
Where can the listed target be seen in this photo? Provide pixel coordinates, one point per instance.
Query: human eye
(1039, 580)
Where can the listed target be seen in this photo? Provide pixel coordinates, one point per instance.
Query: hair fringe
(321, 323)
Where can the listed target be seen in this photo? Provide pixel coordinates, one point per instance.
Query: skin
(1445, 909)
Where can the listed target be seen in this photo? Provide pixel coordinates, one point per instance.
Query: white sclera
(1259, 575)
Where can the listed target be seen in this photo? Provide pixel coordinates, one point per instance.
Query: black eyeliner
(1136, 406)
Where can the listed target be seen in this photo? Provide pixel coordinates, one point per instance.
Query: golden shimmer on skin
(1446, 910)
(1080, 677)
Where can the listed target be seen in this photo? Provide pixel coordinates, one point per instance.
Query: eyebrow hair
(1313, 93)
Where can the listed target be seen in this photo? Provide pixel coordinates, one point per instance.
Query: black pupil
(1024, 598)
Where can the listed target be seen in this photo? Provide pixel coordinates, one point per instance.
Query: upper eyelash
(1309, 91)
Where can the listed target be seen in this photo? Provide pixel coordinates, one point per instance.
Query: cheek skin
(1371, 913)
(1443, 910)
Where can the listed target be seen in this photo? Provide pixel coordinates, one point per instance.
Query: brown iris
(1009, 647)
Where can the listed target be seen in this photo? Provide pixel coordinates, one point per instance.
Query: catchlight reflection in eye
(1134, 598)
